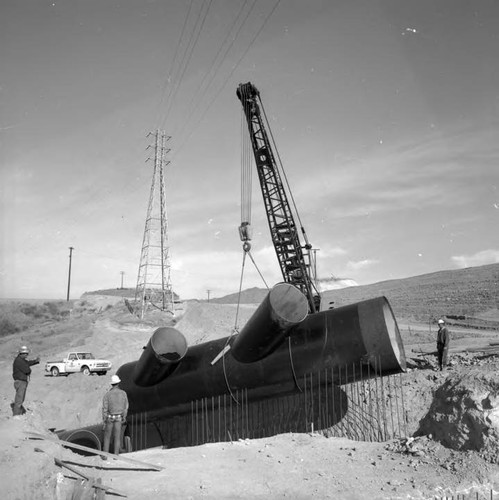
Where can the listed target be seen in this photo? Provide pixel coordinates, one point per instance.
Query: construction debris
(88, 484)
(93, 451)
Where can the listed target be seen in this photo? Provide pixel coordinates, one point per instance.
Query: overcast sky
(385, 115)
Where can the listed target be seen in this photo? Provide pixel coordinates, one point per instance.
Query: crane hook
(245, 235)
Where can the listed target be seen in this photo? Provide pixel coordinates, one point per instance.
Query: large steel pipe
(365, 333)
(282, 309)
(161, 356)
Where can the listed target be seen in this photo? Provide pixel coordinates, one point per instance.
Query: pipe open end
(83, 437)
(381, 334)
(288, 304)
(168, 344)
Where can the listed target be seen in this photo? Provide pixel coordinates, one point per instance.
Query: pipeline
(278, 345)
(360, 332)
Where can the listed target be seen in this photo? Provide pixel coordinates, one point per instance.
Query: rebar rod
(403, 405)
(397, 411)
(383, 400)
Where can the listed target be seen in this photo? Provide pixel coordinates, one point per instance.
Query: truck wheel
(54, 371)
(85, 370)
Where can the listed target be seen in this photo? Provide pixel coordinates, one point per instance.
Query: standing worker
(21, 371)
(114, 412)
(443, 341)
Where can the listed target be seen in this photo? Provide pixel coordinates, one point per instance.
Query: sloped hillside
(250, 296)
(469, 292)
(473, 291)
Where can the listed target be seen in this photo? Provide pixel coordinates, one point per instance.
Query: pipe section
(163, 352)
(365, 333)
(282, 309)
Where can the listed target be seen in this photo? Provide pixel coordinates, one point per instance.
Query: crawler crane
(293, 256)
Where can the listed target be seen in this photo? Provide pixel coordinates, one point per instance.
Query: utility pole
(69, 274)
(154, 286)
(122, 274)
(208, 292)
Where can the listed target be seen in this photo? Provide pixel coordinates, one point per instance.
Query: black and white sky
(385, 114)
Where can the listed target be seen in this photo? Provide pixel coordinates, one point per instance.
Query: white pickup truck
(83, 362)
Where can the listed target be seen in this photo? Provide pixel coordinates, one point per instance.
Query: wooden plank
(98, 485)
(35, 435)
(101, 492)
(420, 352)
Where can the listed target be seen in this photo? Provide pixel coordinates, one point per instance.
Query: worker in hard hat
(443, 341)
(21, 371)
(114, 413)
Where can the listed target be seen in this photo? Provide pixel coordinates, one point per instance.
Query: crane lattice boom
(294, 262)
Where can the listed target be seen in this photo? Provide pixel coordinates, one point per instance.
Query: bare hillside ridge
(473, 291)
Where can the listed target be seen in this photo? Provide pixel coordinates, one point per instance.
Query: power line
(228, 78)
(215, 66)
(172, 67)
(187, 55)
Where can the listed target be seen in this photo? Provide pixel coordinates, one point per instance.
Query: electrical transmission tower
(154, 288)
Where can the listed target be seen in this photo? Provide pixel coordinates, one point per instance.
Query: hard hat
(441, 321)
(23, 350)
(115, 380)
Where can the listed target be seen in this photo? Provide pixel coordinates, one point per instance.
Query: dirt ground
(452, 416)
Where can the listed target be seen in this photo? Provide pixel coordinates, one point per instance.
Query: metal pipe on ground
(364, 334)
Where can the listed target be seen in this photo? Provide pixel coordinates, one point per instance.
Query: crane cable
(236, 328)
(283, 173)
(246, 172)
(246, 189)
(234, 331)
(244, 232)
(246, 251)
(246, 169)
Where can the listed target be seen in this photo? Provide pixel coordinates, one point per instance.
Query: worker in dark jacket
(443, 341)
(114, 413)
(21, 371)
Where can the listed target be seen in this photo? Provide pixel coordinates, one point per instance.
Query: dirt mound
(249, 296)
(204, 321)
(464, 414)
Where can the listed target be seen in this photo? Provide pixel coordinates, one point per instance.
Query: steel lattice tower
(154, 288)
